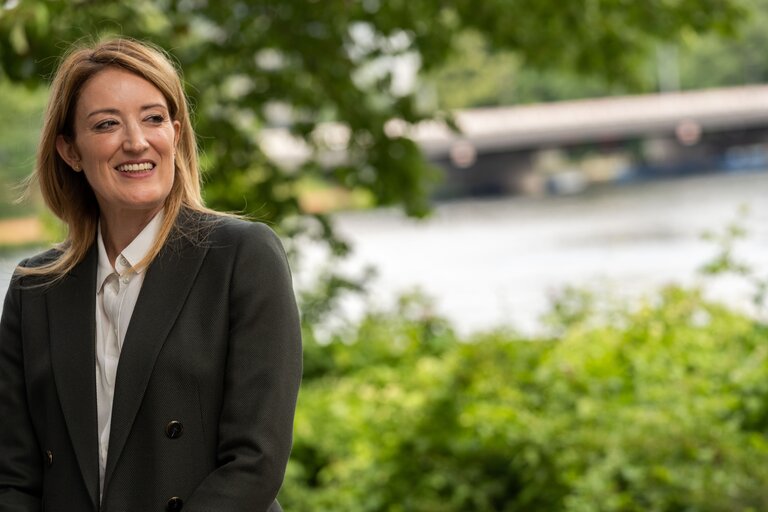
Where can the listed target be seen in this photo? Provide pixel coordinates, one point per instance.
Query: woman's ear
(176, 134)
(68, 152)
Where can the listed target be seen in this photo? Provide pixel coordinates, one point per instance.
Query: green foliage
(665, 409)
(490, 77)
(478, 76)
(20, 117)
(727, 261)
(329, 61)
(739, 60)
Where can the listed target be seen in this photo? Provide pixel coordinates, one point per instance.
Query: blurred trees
(707, 61)
(20, 113)
(493, 78)
(294, 64)
(698, 60)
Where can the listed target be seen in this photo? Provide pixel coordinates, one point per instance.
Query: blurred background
(529, 238)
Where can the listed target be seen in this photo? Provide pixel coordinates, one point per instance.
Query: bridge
(565, 146)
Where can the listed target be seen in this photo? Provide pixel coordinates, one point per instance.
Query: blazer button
(49, 458)
(174, 504)
(174, 429)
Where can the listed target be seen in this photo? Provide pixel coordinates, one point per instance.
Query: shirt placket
(112, 301)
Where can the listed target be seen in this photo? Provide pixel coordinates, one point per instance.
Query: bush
(665, 408)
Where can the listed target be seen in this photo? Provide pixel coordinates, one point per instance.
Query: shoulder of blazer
(37, 260)
(221, 231)
(42, 258)
(36, 282)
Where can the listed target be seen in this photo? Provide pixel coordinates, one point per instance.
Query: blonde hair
(67, 193)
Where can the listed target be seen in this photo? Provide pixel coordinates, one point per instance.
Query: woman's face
(124, 142)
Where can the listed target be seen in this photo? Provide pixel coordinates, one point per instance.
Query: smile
(142, 167)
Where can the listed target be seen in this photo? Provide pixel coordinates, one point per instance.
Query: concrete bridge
(565, 146)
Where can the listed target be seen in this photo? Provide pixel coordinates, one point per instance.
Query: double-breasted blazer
(205, 391)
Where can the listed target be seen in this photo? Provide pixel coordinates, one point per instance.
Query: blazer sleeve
(261, 384)
(21, 462)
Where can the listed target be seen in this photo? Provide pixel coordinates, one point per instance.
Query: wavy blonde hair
(67, 193)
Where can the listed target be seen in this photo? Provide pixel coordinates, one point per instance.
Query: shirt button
(49, 458)
(124, 280)
(174, 504)
(123, 261)
(174, 429)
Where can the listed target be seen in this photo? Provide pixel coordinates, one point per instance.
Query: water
(499, 262)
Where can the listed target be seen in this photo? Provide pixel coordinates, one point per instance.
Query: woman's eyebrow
(154, 105)
(104, 111)
(116, 111)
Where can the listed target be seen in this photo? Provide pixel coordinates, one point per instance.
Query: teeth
(146, 166)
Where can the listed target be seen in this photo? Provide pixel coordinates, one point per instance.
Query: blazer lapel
(72, 313)
(163, 294)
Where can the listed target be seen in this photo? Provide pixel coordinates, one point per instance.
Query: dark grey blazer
(205, 392)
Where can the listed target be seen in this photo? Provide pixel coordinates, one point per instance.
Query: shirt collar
(133, 254)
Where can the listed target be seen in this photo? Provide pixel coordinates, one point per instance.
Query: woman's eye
(105, 125)
(156, 118)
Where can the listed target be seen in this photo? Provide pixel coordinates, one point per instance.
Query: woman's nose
(135, 141)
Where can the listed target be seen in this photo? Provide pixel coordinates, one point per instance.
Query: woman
(151, 361)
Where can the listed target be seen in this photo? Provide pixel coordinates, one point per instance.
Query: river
(500, 262)
(496, 262)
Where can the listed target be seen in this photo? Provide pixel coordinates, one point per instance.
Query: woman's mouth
(136, 168)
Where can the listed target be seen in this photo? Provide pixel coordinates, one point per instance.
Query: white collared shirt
(117, 290)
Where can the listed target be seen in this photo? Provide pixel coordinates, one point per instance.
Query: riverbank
(25, 231)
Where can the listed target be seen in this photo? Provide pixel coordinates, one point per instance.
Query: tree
(739, 60)
(491, 78)
(701, 60)
(19, 123)
(323, 61)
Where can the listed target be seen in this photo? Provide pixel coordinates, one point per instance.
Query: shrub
(664, 409)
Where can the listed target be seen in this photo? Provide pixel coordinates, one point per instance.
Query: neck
(119, 229)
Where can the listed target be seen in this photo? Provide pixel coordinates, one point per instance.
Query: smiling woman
(124, 142)
(152, 360)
